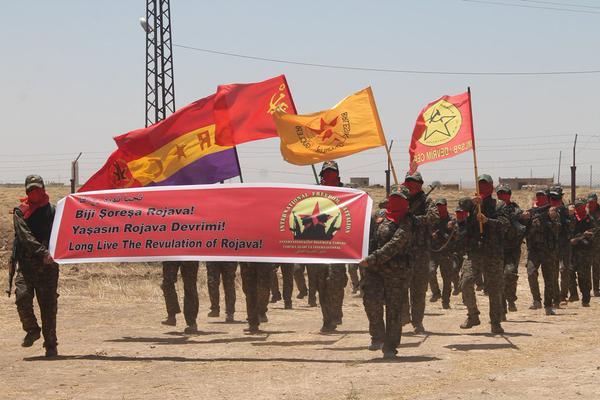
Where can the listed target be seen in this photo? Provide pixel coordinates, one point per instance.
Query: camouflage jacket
(389, 247)
(578, 228)
(595, 216)
(566, 223)
(515, 230)
(542, 231)
(32, 236)
(443, 239)
(491, 241)
(425, 215)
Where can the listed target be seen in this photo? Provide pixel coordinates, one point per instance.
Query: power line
(389, 70)
(497, 3)
(561, 4)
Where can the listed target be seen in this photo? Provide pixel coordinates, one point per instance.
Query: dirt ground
(112, 346)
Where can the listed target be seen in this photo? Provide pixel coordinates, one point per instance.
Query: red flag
(243, 111)
(443, 130)
(114, 174)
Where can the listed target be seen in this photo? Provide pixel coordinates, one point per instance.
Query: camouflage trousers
(39, 281)
(512, 257)
(492, 269)
(331, 283)
(384, 292)
(311, 289)
(581, 273)
(287, 277)
(449, 275)
(189, 275)
(256, 284)
(548, 261)
(596, 271)
(353, 271)
(418, 287)
(215, 270)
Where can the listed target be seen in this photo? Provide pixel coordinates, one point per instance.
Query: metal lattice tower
(160, 87)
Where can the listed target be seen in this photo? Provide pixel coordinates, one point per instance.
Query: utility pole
(75, 173)
(573, 174)
(160, 85)
(559, 162)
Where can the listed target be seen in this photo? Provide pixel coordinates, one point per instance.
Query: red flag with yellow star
(351, 126)
(444, 129)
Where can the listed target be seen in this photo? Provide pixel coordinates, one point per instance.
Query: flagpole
(315, 173)
(237, 159)
(475, 158)
(391, 163)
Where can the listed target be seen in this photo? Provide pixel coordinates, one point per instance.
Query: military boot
(30, 338)
(549, 311)
(512, 307)
(170, 321)
(213, 314)
(327, 328)
(193, 328)
(229, 318)
(302, 294)
(470, 322)
(446, 306)
(375, 345)
(51, 351)
(252, 329)
(287, 305)
(263, 318)
(497, 328)
(389, 355)
(536, 305)
(435, 297)
(276, 297)
(419, 329)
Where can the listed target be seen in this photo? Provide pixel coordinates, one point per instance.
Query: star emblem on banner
(325, 130)
(442, 123)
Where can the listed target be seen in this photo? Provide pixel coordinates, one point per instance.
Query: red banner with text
(237, 222)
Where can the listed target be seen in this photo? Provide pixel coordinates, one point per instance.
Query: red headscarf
(397, 208)
(580, 212)
(505, 197)
(461, 215)
(555, 202)
(414, 187)
(485, 189)
(330, 177)
(35, 199)
(442, 210)
(540, 200)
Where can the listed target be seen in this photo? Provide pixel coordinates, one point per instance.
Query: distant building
(518, 183)
(451, 186)
(359, 182)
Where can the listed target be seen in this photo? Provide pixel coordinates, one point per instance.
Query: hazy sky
(72, 77)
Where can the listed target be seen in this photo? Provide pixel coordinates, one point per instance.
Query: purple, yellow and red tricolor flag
(179, 150)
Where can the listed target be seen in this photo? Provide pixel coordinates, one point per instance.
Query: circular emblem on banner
(315, 218)
(326, 133)
(442, 123)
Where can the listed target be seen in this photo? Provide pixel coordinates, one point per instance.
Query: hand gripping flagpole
(475, 159)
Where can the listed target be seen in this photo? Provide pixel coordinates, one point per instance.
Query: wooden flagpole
(475, 158)
(391, 163)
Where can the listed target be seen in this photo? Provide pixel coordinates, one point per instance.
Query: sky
(72, 77)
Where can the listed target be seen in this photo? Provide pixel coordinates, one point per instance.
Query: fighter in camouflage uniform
(387, 274)
(543, 229)
(189, 275)
(594, 211)
(425, 215)
(485, 254)
(256, 284)
(513, 238)
(37, 273)
(582, 229)
(564, 248)
(215, 270)
(331, 279)
(441, 255)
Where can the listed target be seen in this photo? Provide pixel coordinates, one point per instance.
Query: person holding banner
(189, 275)
(387, 274)
(37, 273)
(256, 284)
(331, 278)
(484, 231)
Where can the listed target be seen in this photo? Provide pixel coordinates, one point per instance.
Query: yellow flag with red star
(349, 127)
